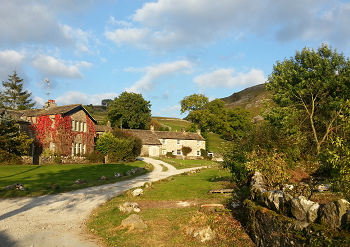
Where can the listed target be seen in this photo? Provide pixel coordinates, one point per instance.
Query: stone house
(68, 129)
(156, 143)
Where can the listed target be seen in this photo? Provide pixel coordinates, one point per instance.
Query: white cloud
(133, 36)
(229, 78)
(74, 97)
(120, 23)
(10, 60)
(165, 24)
(50, 66)
(153, 73)
(33, 22)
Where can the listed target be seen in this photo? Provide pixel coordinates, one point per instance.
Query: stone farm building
(67, 130)
(156, 143)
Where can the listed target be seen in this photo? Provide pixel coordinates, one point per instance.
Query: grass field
(168, 223)
(49, 179)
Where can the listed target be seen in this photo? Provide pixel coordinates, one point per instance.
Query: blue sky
(166, 49)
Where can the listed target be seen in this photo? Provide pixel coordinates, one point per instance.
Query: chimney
(198, 131)
(50, 103)
(151, 128)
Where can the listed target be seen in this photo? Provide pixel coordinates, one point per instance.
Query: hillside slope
(250, 99)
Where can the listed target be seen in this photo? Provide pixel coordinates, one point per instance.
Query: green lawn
(44, 179)
(167, 224)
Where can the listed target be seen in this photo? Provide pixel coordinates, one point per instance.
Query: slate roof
(149, 137)
(53, 110)
(102, 128)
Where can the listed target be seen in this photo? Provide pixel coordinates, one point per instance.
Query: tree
(119, 146)
(12, 142)
(106, 102)
(193, 102)
(214, 117)
(311, 91)
(14, 96)
(130, 111)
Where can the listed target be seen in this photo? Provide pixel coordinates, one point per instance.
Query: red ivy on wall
(88, 137)
(60, 133)
(42, 130)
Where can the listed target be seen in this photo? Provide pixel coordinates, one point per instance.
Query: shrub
(7, 158)
(170, 155)
(186, 150)
(95, 157)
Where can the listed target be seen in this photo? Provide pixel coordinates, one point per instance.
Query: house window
(164, 141)
(179, 152)
(163, 151)
(84, 149)
(76, 151)
(73, 125)
(178, 142)
(80, 149)
(85, 130)
(198, 143)
(76, 126)
(198, 153)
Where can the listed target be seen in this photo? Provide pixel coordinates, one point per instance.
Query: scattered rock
(322, 187)
(274, 199)
(103, 178)
(16, 186)
(211, 208)
(79, 181)
(134, 221)
(117, 175)
(137, 192)
(205, 234)
(236, 204)
(147, 184)
(128, 207)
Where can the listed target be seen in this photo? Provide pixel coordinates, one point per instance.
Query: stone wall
(276, 218)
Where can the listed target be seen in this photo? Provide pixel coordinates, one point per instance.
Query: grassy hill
(250, 99)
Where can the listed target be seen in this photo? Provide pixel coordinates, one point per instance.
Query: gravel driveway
(59, 220)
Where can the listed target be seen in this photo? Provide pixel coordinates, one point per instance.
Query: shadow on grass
(12, 175)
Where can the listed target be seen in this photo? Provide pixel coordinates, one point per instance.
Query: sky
(91, 50)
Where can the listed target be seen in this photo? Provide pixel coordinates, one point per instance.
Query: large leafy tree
(129, 111)
(311, 91)
(214, 117)
(193, 102)
(14, 96)
(12, 142)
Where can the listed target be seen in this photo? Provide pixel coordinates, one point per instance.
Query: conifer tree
(14, 96)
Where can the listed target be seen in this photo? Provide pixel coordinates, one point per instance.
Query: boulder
(17, 186)
(205, 234)
(274, 200)
(211, 208)
(103, 178)
(137, 192)
(128, 207)
(303, 209)
(134, 221)
(332, 213)
(117, 175)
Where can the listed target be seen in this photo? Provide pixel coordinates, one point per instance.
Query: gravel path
(59, 220)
